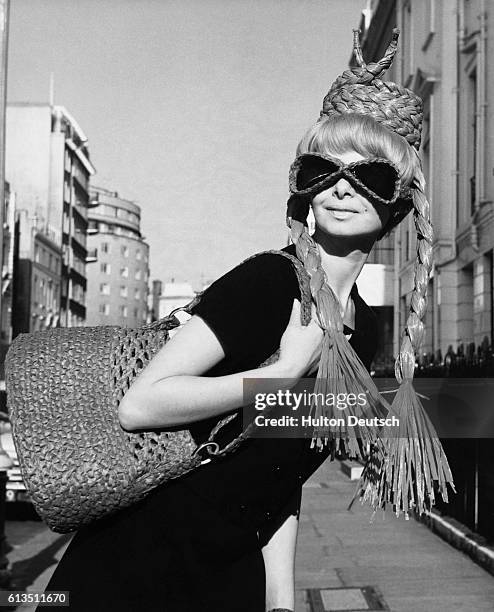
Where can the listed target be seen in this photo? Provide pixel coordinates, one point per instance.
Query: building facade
(37, 277)
(445, 56)
(118, 273)
(7, 266)
(48, 168)
(154, 301)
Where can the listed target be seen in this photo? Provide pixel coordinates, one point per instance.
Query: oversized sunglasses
(376, 177)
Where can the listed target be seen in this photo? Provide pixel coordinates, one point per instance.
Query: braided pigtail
(409, 461)
(341, 373)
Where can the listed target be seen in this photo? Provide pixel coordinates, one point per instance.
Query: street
(344, 562)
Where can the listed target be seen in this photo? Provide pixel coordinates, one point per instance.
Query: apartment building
(48, 168)
(118, 273)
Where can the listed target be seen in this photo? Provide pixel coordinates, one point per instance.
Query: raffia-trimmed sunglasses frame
(343, 170)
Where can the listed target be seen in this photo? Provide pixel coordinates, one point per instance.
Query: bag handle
(212, 448)
(171, 321)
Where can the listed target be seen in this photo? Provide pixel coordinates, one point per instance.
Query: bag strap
(211, 447)
(171, 321)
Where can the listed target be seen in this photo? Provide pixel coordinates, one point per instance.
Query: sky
(193, 108)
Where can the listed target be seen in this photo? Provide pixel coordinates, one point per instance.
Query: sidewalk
(407, 567)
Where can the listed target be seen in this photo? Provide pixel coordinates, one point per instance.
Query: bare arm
(171, 391)
(279, 561)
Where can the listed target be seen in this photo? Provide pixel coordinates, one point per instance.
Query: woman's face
(341, 210)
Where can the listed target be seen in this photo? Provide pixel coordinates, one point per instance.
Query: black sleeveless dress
(195, 543)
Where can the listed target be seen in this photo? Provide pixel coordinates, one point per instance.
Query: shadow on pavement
(25, 572)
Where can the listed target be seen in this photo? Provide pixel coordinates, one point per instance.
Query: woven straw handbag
(63, 390)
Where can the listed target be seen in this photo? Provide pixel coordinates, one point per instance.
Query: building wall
(47, 164)
(175, 295)
(27, 161)
(36, 278)
(445, 56)
(155, 299)
(119, 270)
(7, 266)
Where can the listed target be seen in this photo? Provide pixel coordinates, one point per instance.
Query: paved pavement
(34, 555)
(410, 568)
(405, 567)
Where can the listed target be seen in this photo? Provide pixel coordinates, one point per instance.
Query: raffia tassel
(342, 371)
(415, 465)
(370, 487)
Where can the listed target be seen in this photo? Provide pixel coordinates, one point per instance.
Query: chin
(346, 228)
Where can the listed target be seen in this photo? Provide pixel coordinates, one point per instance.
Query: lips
(339, 209)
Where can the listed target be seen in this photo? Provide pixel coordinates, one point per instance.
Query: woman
(223, 537)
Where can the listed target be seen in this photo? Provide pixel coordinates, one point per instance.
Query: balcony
(77, 308)
(93, 201)
(92, 256)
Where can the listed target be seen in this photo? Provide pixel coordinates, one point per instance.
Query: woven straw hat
(361, 90)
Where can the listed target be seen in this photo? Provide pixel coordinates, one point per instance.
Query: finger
(295, 314)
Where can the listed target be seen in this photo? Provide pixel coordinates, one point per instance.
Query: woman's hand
(300, 345)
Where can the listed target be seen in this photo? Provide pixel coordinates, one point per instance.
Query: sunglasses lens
(313, 170)
(379, 177)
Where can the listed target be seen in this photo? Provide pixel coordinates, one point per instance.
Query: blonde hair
(337, 134)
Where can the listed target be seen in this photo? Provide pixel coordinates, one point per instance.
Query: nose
(342, 188)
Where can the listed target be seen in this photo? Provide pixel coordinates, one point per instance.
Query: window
(123, 291)
(105, 268)
(136, 313)
(104, 309)
(36, 253)
(138, 274)
(472, 137)
(124, 250)
(123, 311)
(105, 247)
(138, 254)
(104, 289)
(124, 272)
(137, 294)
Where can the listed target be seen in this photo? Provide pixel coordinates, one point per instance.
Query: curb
(461, 537)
